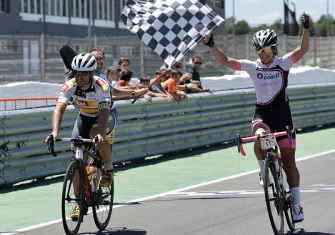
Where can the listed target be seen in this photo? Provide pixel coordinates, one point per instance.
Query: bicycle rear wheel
(72, 195)
(273, 198)
(103, 205)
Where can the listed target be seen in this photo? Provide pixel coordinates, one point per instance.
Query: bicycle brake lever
(238, 143)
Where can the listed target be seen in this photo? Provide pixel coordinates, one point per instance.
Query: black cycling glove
(306, 23)
(210, 42)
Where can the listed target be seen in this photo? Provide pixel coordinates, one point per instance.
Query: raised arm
(303, 48)
(219, 54)
(56, 122)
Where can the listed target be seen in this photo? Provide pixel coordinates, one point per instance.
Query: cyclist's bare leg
(259, 152)
(76, 178)
(289, 165)
(105, 152)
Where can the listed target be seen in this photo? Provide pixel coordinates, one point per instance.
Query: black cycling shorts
(84, 124)
(274, 120)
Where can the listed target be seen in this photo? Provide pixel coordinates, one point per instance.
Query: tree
(332, 30)
(242, 27)
(229, 25)
(278, 27)
(321, 26)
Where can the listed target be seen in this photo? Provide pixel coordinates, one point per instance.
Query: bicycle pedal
(298, 221)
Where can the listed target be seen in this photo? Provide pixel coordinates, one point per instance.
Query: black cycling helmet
(265, 38)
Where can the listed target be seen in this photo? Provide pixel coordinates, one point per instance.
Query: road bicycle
(82, 187)
(277, 194)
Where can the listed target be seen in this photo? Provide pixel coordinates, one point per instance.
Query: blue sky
(257, 12)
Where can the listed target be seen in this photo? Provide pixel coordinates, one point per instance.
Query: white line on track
(167, 193)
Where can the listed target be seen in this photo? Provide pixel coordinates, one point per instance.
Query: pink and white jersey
(270, 83)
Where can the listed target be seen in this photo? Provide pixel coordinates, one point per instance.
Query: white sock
(296, 195)
(261, 165)
(109, 165)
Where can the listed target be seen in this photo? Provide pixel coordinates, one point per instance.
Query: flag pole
(152, 83)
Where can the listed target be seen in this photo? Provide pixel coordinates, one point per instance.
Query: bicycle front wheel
(72, 196)
(103, 205)
(273, 198)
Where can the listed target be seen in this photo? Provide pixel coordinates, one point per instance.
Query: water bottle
(89, 176)
(94, 171)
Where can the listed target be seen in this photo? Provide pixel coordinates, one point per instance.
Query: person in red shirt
(172, 84)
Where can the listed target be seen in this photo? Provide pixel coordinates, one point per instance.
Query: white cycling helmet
(84, 62)
(265, 38)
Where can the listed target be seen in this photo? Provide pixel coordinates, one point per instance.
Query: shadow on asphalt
(119, 230)
(302, 231)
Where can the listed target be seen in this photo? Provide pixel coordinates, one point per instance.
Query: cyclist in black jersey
(270, 76)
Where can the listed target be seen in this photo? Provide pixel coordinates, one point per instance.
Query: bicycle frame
(80, 151)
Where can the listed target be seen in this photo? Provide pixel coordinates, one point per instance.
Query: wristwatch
(133, 93)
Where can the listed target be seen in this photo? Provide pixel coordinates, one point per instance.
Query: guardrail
(147, 129)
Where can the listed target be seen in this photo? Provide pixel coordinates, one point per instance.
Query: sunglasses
(81, 73)
(265, 49)
(198, 63)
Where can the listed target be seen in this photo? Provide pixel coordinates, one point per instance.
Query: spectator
(196, 64)
(125, 79)
(144, 82)
(117, 93)
(178, 65)
(123, 63)
(158, 89)
(113, 75)
(172, 84)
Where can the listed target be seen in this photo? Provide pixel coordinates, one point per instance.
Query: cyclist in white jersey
(270, 77)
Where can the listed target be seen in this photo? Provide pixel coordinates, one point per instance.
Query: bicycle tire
(103, 205)
(69, 199)
(273, 198)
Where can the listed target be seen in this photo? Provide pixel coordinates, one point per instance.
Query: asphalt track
(229, 199)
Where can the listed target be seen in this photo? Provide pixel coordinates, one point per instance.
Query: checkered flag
(171, 28)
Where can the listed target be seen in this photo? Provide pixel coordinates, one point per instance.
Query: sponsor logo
(104, 106)
(270, 84)
(268, 77)
(91, 96)
(64, 88)
(100, 82)
(105, 88)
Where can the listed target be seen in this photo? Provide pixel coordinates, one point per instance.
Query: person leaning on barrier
(125, 79)
(172, 84)
(270, 76)
(158, 89)
(196, 64)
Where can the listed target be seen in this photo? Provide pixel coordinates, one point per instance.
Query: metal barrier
(147, 129)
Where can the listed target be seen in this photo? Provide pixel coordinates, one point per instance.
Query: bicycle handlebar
(78, 140)
(240, 140)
